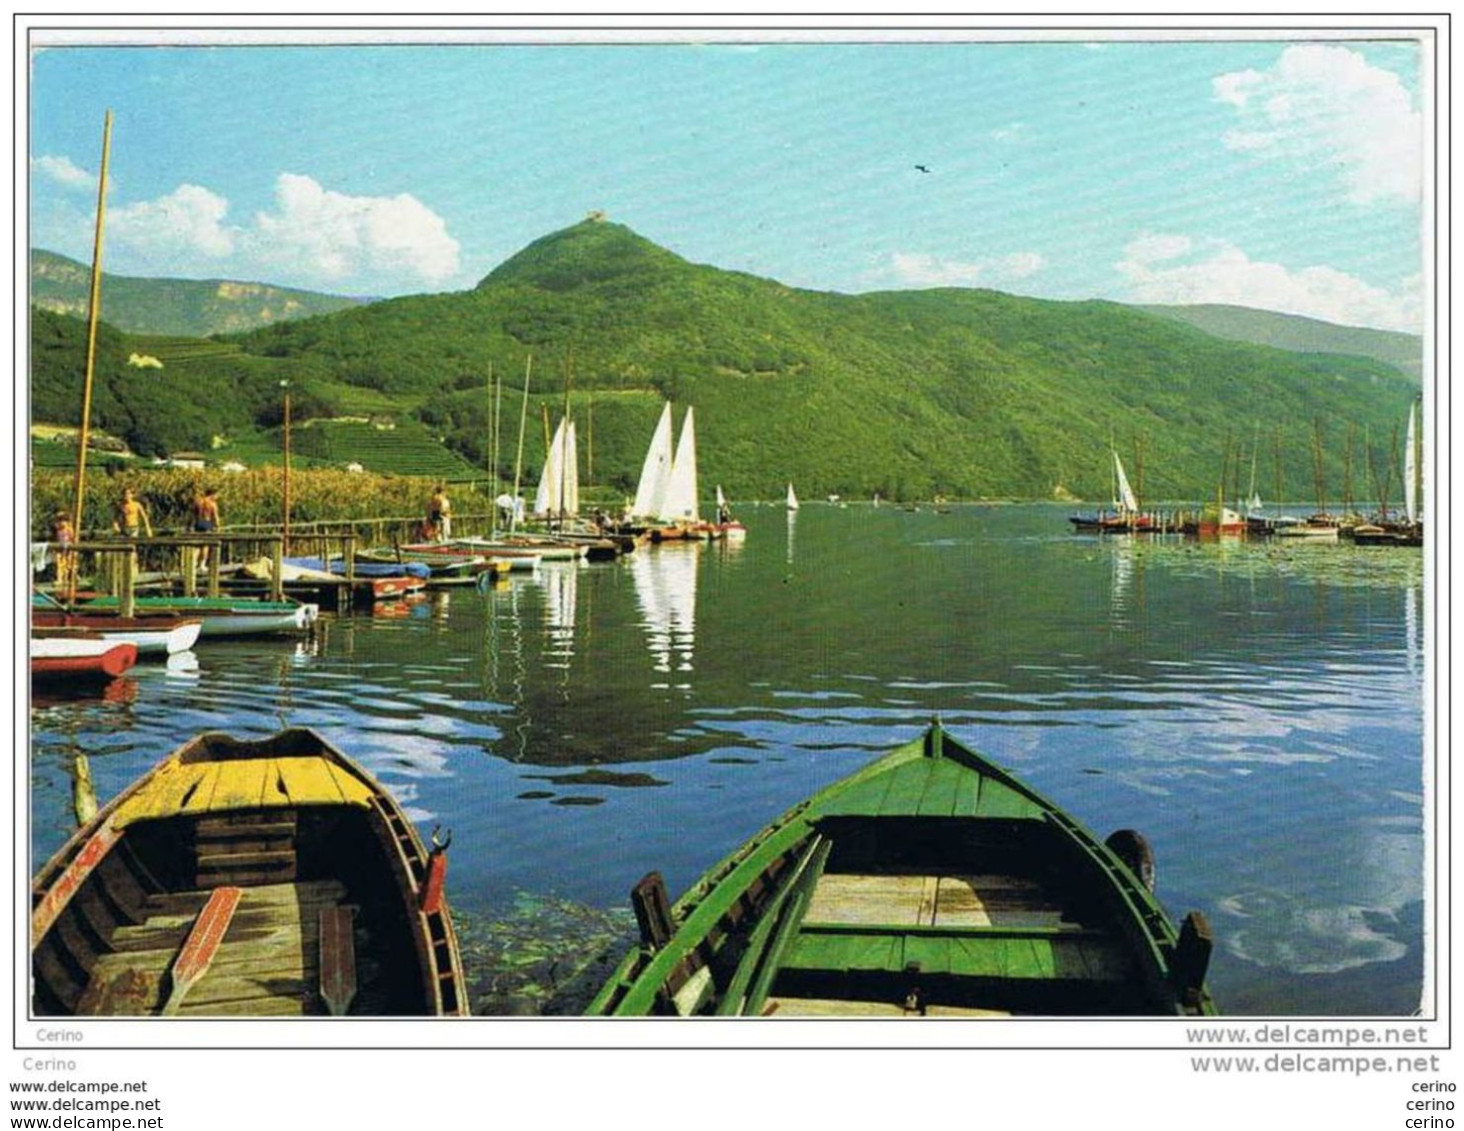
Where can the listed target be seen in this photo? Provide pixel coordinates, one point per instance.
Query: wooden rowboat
(150, 635)
(239, 878)
(54, 659)
(930, 883)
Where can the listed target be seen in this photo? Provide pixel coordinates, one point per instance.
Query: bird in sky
(922, 168)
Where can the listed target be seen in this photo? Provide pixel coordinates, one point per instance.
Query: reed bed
(246, 498)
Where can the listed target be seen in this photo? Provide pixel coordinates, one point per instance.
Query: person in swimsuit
(206, 518)
(439, 515)
(132, 516)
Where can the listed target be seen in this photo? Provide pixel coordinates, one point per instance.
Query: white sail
(1126, 497)
(680, 502)
(655, 471)
(1410, 468)
(568, 501)
(546, 498)
(792, 499)
(721, 499)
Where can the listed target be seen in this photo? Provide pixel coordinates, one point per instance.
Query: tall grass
(254, 497)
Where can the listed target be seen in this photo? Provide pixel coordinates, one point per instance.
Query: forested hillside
(961, 392)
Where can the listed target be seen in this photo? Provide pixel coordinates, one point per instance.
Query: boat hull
(79, 660)
(221, 616)
(317, 860)
(151, 636)
(930, 883)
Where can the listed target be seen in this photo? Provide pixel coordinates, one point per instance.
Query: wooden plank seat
(267, 963)
(999, 954)
(833, 1007)
(975, 900)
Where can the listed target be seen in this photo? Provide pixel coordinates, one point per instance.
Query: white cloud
(1176, 269)
(919, 270)
(186, 223)
(313, 237)
(64, 172)
(1325, 106)
(331, 236)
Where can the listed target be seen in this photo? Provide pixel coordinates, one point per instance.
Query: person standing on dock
(439, 515)
(206, 518)
(64, 534)
(132, 516)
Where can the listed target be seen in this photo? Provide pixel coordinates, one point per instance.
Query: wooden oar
(337, 959)
(202, 944)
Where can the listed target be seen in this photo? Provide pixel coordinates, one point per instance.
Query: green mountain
(195, 307)
(1304, 335)
(966, 393)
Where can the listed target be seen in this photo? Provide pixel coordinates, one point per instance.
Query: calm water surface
(1255, 710)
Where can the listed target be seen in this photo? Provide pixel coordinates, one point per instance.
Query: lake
(1255, 709)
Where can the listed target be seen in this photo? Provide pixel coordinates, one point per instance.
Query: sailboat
(1125, 514)
(726, 526)
(558, 493)
(655, 471)
(1413, 477)
(666, 496)
(1321, 526)
(792, 499)
(1410, 531)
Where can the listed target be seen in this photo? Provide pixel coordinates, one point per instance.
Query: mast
(1347, 507)
(1277, 438)
(518, 466)
(1317, 465)
(564, 454)
(495, 411)
(1253, 502)
(94, 302)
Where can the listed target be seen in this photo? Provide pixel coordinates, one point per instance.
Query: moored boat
(1216, 520)
(79, 659)
(155, 635)
(238, 615)
(246, 878)
(1316, 528)
(931, 883)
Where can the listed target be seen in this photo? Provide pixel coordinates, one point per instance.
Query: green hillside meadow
(965, 393)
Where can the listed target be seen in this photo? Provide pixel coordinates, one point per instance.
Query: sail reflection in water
(560, 583)
(665, 589)
(1121, 597)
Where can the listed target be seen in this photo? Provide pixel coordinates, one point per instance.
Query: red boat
(80, 659)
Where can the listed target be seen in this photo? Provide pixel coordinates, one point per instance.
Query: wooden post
(348, 551)
(188, 562)
(1192, 957)
(127, 584)
(214, 588)
(652, 910)
(277, 570)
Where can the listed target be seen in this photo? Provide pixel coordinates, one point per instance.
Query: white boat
(81, 638)
(655, 471)
(1313, 530)
(726, 526)
(558, 493)
(666, 495)
(792, 499)
(1411, 468)
(680, 502)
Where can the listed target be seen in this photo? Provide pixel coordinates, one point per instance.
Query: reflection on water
(1257, 712)
(665, 591)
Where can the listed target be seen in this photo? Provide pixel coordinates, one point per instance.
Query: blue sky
(1282, 175)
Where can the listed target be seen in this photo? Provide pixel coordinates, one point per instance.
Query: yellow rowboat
(246, 878)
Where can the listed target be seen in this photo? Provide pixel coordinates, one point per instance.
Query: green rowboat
(929, 883)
